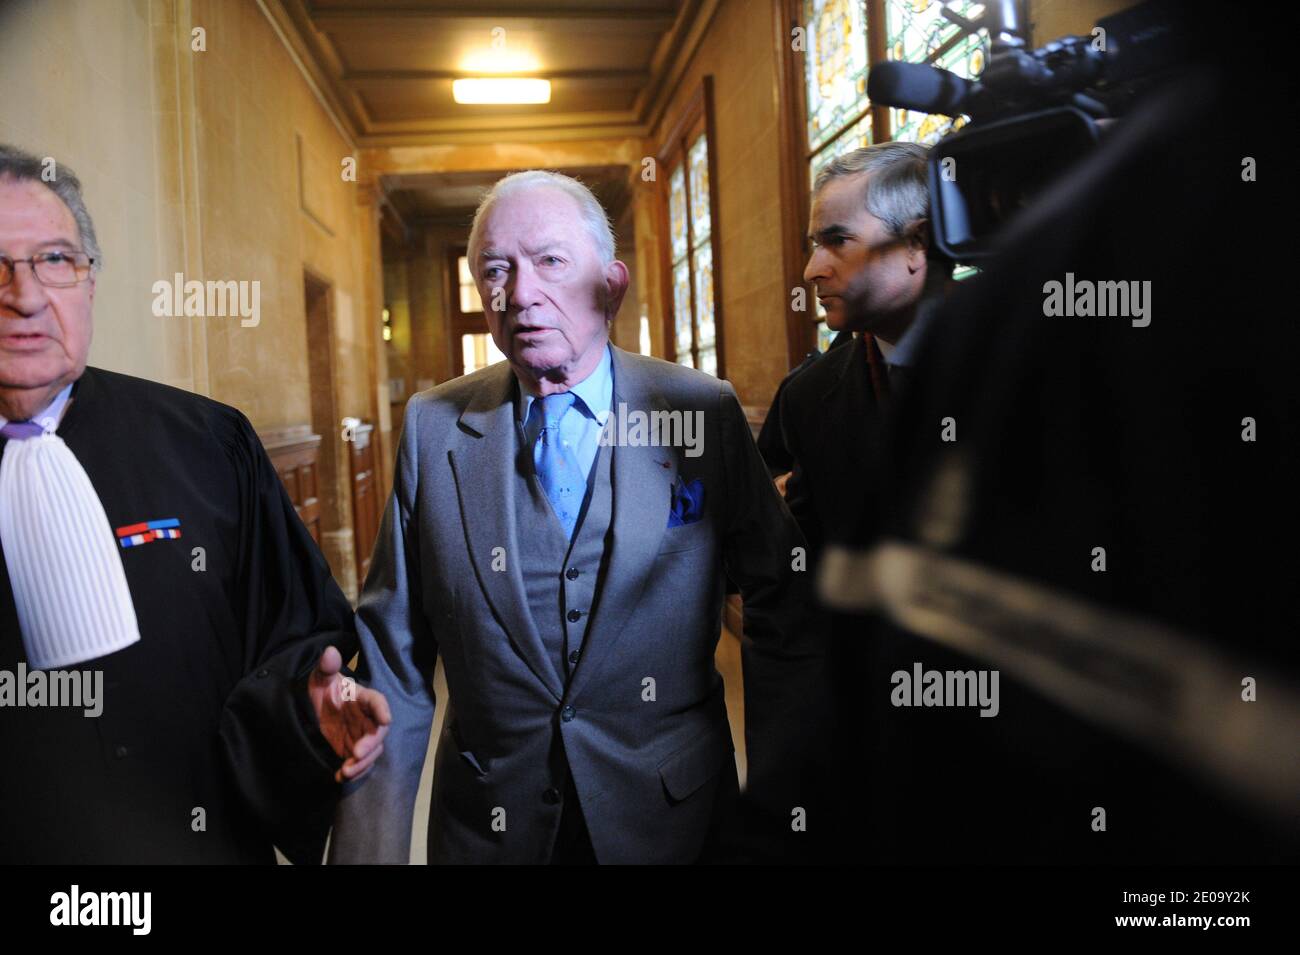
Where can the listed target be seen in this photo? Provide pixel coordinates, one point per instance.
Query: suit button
(574, 616)
(551, 796)
(573, 657)
(572, 573)
(568, 713)
(121, 752)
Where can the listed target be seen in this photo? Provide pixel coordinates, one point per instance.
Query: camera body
(1034, 114)
(982, 175)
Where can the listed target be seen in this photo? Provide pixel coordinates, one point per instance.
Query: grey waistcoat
(562, 578)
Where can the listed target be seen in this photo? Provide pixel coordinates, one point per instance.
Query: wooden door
(293, 453)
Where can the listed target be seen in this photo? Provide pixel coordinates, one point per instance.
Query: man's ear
(918, 244)
(616, 281)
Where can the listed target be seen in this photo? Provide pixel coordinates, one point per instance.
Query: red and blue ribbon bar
(133, 535)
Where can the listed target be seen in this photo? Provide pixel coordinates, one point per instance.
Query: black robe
(209, 709)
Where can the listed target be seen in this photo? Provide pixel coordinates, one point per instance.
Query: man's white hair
(594, 217)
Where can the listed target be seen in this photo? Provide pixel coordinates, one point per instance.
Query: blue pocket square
(687, 504)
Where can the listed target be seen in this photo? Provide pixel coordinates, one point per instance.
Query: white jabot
(64, 564)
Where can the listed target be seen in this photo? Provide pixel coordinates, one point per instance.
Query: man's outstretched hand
(353, 719)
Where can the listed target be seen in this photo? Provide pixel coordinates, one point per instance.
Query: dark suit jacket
(830, 422)
(771, 437)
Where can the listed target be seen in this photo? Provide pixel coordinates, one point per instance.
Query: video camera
(1033, 112)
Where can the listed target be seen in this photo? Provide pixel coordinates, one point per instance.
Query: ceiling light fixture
(501, 90)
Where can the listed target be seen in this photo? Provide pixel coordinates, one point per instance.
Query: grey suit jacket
(646, 765)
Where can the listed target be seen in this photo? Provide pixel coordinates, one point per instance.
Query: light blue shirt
(53, 413)
(582, 424)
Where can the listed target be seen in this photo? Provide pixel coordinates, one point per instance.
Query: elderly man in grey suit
(571, 575)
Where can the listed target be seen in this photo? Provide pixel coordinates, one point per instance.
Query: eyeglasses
(54, 269)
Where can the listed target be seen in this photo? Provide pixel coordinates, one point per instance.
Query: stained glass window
(682, 311)
(702, 267)
(690, 227)
(835, 65)
(699, 162)
(677, 212)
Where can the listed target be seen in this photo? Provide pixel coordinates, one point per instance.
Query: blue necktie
(557, 465)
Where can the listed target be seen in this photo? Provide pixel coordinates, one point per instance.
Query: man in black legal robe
(227, 726)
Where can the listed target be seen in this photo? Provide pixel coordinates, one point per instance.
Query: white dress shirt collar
(595, 392)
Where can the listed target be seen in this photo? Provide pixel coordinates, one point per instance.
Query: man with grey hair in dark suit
(568, 560)
(877, 276)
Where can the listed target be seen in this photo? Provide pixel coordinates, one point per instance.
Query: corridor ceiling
(386, 66)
